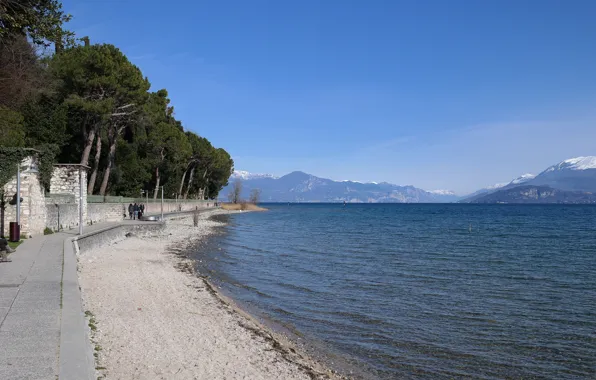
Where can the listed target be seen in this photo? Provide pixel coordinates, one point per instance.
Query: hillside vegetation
(94, 107)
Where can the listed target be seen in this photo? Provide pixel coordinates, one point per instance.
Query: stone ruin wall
(33, 211)
(59, 209)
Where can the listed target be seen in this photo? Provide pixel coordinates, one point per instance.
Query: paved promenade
(43, 332)
(42, 327)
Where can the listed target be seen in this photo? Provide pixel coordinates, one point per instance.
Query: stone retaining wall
(105, 212)
(113, 234)
(154, 207)
(65, 216)
(59, 209)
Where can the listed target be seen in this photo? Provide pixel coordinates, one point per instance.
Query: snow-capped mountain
(577, 163)
(302, 187)
(496, 186)
(499, 186)
(573, 179)
(574, 174)
(441, 192)
(522, 178)
(244, 175)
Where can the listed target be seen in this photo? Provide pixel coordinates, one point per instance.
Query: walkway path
(42, 326)
(36, 315)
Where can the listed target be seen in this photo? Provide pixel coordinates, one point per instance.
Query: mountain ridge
(570, 181)
(574, 175)
(299, 186)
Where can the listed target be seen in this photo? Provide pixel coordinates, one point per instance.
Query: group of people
(135, 211)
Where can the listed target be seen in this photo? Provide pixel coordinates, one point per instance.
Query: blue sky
(438, 94)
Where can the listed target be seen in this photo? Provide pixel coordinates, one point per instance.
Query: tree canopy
(96, 108)
(40, 20)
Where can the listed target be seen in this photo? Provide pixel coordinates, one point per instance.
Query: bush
(48, 231)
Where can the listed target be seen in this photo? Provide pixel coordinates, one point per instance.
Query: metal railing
(117, 199)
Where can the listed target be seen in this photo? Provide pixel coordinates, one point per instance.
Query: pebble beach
(152, 317)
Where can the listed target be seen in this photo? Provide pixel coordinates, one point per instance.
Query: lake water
(424, 291)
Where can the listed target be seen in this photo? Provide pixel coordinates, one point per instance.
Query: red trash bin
(14, 232)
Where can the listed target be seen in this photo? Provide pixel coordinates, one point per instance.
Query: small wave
(296, 287)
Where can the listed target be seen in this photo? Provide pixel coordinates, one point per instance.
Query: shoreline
(341, 365)
(186, 313)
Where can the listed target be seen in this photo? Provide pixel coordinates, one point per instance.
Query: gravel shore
(152, 318)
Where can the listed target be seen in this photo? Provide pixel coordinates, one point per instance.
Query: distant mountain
(574, 174)
(442, 192)
(445, 195)
(536, 194)
(246, 175)
(496, 187)
(302, 187)
(570, 181)
(522, 179)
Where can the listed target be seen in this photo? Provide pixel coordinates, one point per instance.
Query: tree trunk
(192, 173)
(112, 138)
(183, 178)
(156, 182)
(157, 178)
(93, 177)
(204, 188)
(182, 183)
(88, 145)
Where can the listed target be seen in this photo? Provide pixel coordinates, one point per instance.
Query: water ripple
(425, 291)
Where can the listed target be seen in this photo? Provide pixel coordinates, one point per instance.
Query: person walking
(142, 209)
(130, 210)
(135, 211)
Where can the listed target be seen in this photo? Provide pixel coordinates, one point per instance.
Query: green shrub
(48, 231)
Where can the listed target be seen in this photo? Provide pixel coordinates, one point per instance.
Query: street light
(146, 192)
(162, 203)
(80, 200)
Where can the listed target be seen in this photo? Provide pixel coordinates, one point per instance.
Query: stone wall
(113, 234)
(154, 206)
(105, 212)
(33, 211)
(59, 209)
(65, 181)
(65, 216)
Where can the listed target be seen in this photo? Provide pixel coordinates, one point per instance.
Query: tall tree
(167, 142)
(12, 132)
(21, 74)
(168, 146)
(40, 20)
(221, 170)
(100, 83)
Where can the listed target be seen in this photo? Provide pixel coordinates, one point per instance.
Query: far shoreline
(242, 207)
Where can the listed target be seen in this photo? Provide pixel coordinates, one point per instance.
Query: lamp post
(18, 201)
(162, 203)
(80, 200)
(146, 192)
(31, 169)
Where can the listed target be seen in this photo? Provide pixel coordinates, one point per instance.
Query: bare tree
(255, 196)
(21, 75)
(234, 195)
